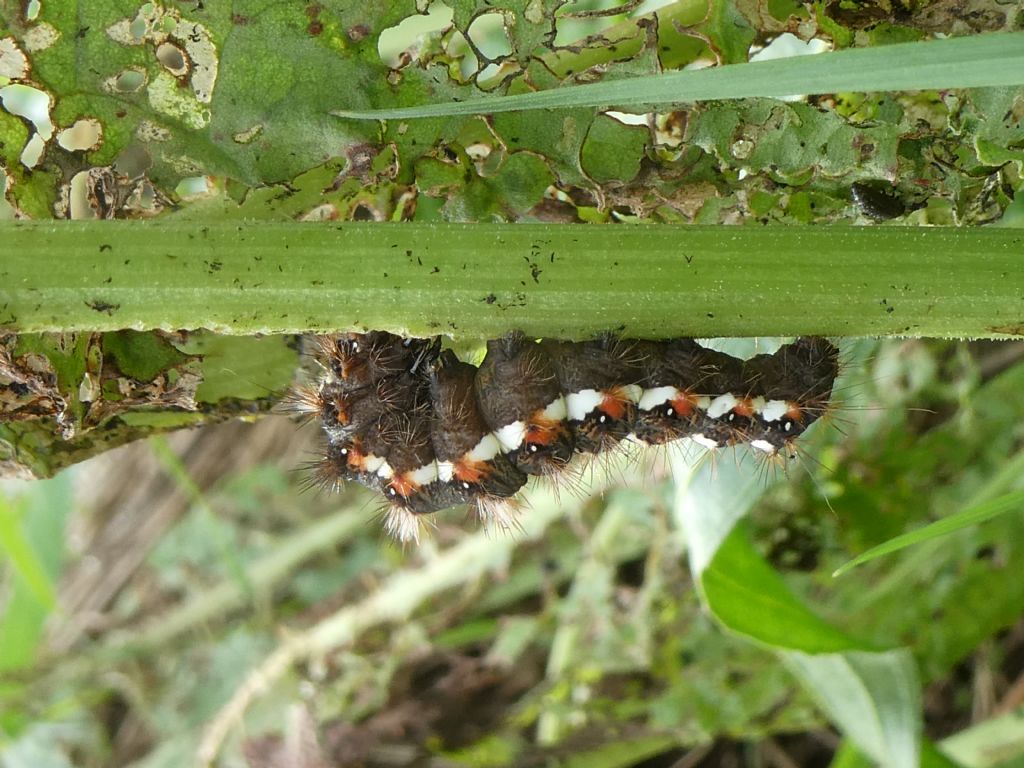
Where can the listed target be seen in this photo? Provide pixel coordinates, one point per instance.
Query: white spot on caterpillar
(555, 410)
(774, 410)
(511, 436)
(707, 442)
(763, 445)
(425, 475)
(579, 404)
(655, 396)
(721, 405)
(488, 447)
(377, 464)
(445, 471)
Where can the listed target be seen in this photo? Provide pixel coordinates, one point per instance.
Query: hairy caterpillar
(429, 431)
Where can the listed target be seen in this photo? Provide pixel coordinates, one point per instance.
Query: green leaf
(21, 555)
(749, 597)
(966, 518)
(729, 31)
(849, 757)
(32, 538)
(612, 151)
(621, 754)
(874, 698)
(964, 62)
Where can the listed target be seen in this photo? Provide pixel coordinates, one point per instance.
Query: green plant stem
(475, 281)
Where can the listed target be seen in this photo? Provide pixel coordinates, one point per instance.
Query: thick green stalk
(476, 281)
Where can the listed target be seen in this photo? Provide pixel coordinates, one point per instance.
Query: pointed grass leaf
(963, 62)
(16, 548)
(974, 515)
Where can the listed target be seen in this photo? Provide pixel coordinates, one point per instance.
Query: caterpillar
(409, 419)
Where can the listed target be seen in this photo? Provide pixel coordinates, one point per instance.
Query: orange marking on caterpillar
(614, 404)
(744, 407)
(471, 471)
(684, 403)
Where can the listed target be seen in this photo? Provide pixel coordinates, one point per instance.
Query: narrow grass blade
(14, 544)
(963, 62)
(979, 513)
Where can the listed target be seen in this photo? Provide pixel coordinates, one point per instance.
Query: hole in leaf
(30, 103)
(32, 10)
(395, 43)
(786, 45)
(173, 58)
(33, 105)
(579, 20)
(130, 80)
(86, 133)
(458, 48)
(192, 186)
(488, 34)
(78, 198)
(138, 27)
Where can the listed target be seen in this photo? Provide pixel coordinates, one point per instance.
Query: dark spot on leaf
(490, 298)
(98, 305)
(106, 247)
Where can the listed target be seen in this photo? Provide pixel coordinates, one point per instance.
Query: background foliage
(654, 624)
